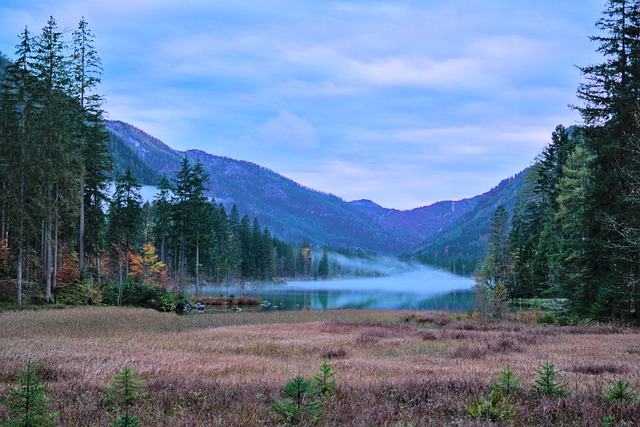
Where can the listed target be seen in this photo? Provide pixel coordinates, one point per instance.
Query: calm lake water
(419, 288)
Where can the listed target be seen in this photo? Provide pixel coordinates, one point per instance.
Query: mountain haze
(290, 210)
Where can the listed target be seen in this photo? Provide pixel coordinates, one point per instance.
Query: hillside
(289, 209)
(442, 233)
(462, 244)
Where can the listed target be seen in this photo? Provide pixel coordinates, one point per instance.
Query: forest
(575, 231)
(69, 234)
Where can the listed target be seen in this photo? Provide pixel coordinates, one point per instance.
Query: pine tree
(162, 217)
(125, 390)
(28, 402)
(323, 266)
(125, 218)
(16, 111)
(58, 158)
(192, 218)
(611, 113)
(92, 139)
(495, 268)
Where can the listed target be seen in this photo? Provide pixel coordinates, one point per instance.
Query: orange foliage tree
(147, 268)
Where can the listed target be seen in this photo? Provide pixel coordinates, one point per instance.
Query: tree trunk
(98, 269)
(48, 262)
(55, 248)
(81, 237)
(19, 291)
(197, 268)
(120, 283)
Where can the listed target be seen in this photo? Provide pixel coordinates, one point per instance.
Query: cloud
(288, 131)
(402, 102)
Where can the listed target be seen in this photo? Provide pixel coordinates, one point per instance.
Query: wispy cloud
(401, 102)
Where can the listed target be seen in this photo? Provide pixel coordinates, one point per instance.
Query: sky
(403, 102)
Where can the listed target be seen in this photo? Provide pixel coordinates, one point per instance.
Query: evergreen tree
(495, 269)
(16, 129)
(192, 214)
(572, 249)
(58, 158)
(323, 266)
(125, 219)
(162, 215)
(611, 113)
(92, 138)
(28, 403)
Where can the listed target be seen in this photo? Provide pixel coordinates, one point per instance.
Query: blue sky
(403, 102)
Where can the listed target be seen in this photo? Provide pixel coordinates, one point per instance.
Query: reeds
(226, 369)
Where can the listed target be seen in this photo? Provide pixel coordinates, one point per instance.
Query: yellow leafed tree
(147, 268)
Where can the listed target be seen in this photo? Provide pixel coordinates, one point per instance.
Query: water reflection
(422, 288)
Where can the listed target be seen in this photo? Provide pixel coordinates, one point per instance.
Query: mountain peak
(290, 210)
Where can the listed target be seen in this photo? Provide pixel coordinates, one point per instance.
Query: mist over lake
(406, 287)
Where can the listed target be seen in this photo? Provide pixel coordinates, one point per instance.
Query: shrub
(547, 383)
(28, 403)
(79, 292)
(494, 408)
(334, 353)
(547, 319)
(598, 369)
(621, 393)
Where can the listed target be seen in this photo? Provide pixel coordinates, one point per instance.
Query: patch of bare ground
(391, 368)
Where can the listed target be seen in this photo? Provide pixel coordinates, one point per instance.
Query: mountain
(462, 244)
(442, 233)
(290, 210)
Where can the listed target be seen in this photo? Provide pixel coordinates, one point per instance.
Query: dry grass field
(392, 368)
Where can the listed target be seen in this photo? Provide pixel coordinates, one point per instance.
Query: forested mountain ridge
(462, 244)
(289, 209)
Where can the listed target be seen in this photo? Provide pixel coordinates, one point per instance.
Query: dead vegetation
(391, 368)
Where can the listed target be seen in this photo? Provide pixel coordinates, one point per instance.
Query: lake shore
(391, 366)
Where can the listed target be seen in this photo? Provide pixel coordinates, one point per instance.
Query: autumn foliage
(146, 267)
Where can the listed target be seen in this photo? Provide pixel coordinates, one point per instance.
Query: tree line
(65, 226)
(575, 232)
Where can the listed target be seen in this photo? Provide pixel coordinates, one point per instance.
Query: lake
(416, 288)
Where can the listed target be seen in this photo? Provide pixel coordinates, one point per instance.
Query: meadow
(392, 368)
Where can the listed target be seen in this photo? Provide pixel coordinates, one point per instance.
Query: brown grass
(225, 369)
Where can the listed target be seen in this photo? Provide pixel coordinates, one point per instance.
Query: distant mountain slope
(442, 233)
(462, 244)
(289, 209)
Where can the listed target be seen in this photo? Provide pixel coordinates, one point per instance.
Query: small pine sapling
(125, 390)
(547, 383)
(507, 382)
(621, 393)
(28, 402)
(126, 420)
(301, 401)
(324, 381)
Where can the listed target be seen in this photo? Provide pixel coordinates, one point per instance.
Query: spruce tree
(323, 266)
(92, 139)
(54, 151)
(125, 219)
(611, 113)
(28, 403)
(16, 129)
(495, 267)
